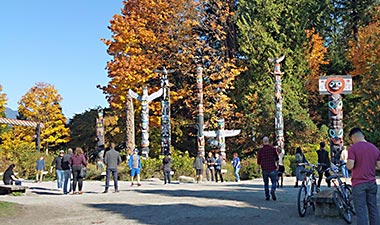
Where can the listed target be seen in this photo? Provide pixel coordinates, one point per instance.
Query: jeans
(273, 179)
(218, 172)
(210, 171)
(66, 180)
(345, 171)
(236, 172)
(364, 196)
(77, 180)
(166, 176)
(60, 177)
(114, 175)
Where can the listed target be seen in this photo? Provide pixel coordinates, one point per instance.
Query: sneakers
(139, 184)
(105, 191)
(273, 195)
(131, 184)
(267, 198)
(116, 191)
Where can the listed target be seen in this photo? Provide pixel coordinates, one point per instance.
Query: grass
(8, 209)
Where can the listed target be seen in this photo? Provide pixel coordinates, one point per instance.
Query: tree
(261, 37)
(364, 55)
(42, 104)
(3, 102)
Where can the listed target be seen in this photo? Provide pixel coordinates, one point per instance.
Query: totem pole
(145, 99)
(130, 126)
(278, 122)
(334, 86)
(100, 129)
(100, 140)
(165, 112)
(221, 135)
(200, 117)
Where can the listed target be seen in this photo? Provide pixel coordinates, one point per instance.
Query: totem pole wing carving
(134, 95)
(231, 133)
(155, 95)
(276, 60)
(210, 133)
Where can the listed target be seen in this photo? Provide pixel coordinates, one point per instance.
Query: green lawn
(8, 209)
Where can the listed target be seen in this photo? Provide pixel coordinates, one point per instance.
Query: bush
(249, 169)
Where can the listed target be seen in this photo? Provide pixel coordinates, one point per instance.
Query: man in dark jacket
(323, 158)
(112, 159)
(267, 158)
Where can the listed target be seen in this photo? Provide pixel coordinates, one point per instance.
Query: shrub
(249, 169)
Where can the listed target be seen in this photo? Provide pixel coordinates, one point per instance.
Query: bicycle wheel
(302, 201)
(344, 211)
(350, 201)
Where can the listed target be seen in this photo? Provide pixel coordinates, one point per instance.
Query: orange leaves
(315, 52)
(365, 53)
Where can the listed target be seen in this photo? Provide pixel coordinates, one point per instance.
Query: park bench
(7, 189)
(324, 203)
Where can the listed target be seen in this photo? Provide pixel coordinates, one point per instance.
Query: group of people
(214, 166)
(362, 158)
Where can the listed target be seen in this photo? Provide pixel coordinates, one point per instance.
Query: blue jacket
(218, 163)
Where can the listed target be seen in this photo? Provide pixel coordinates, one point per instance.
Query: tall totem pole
(130, 144)
(100, 130)
(334, 86)
(145, 98)
(279, 122)
(165, 112)
(200, 116)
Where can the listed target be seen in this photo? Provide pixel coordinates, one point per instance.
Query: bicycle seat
(329, 178)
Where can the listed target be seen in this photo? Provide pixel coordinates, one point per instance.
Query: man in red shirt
(363, 158)
(267, 158)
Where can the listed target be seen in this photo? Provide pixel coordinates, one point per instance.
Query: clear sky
(56, 42)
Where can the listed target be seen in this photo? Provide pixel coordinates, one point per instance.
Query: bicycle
(342, 196)
(308, 189)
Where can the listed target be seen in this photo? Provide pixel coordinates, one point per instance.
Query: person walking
(218, 167)
(77, 161)
(343, 159)
(210, 169)
(300, 158)
(236, 165)
(135, 166)
(112, 159)
(40, 167)
(166, 166)
(267, 158)
(198, 164)
(67, 171)
(281, 167)
(363, 159)
(60, 173)
(324, 160)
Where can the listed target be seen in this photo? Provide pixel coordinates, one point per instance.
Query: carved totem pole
(200, 116)
(165, 112)
(130, 126)
(100, 130)
(334, 86)
(145, 99)
(279, 122)
(221, 135)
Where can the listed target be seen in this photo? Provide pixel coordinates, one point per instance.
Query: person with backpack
(135, 166)
(60, 173)
(300, 158)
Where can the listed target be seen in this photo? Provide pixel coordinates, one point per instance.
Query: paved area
(156, 204)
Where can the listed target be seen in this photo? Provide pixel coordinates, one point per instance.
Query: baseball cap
(61, 151)
(354, 131)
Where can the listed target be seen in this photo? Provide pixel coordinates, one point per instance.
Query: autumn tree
(364, 55)
(42, 104)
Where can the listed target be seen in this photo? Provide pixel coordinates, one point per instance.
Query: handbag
(83, 172)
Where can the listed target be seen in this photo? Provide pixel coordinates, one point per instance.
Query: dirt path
(158, 204)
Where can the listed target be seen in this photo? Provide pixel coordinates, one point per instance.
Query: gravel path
(157, 204)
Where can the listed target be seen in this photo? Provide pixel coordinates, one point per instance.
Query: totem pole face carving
(336, 136)
(335, 85)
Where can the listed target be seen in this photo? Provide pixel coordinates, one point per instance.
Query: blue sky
(56, 42)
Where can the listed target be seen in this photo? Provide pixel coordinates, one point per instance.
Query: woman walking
(77, 161)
